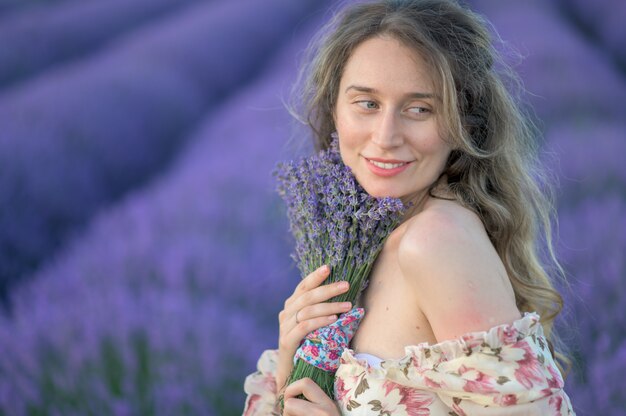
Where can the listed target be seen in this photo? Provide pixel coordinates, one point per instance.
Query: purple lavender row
(588, 160)
(79, 137)
(35, 39)
(604, 20)
(14, 7)
(593, 240)
(167, 300)
(568, 78)
(116, 352)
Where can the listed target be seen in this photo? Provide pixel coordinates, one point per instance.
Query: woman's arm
(457, 277)
(462, 288)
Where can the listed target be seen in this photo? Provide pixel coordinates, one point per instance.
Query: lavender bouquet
(335, 222)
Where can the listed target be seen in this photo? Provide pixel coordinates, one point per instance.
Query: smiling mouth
(386, 168)
(387, 164)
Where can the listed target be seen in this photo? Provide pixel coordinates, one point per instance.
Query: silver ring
(297, 322)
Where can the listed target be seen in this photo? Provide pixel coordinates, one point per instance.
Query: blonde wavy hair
(494, 169)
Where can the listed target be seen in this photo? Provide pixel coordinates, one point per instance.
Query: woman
(458, 302)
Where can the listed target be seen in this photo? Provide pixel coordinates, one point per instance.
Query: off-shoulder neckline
(425, 354)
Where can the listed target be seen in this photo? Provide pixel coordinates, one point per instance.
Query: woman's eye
(367, 104)
(419, 110)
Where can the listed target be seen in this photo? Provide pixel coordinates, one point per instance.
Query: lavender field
(144, 253)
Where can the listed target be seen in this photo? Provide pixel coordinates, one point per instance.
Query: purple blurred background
(144, 255)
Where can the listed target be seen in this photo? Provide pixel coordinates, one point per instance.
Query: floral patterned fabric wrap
(507, 370)
(323, 347)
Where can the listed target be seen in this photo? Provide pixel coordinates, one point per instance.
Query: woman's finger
(312, 280)
(298, 332)
(309, 389)
(299, 407)
(315, 302)
(318, 402)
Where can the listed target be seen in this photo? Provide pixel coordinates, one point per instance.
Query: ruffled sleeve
(507, 370)
(260, 387)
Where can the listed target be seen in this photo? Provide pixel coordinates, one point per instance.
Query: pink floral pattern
(323, 347)
(261, 387)
(506, 370)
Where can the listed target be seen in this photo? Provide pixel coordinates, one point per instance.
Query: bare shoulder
(458, 279)
(442, 219)
(442, 229)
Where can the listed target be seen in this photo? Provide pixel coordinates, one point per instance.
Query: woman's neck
(415, 203)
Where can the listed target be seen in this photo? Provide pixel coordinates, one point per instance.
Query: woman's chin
(382, 193)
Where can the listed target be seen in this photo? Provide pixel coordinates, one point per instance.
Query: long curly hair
(494, 168)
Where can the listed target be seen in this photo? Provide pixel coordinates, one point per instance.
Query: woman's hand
(318, 404)
(309, 302)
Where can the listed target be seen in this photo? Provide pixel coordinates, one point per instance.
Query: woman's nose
(387, 131)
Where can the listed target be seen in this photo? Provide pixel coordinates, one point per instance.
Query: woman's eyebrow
(419, 95)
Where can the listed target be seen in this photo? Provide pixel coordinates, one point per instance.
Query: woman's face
(386, 118)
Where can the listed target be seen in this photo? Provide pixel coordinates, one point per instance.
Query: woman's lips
(385, 167)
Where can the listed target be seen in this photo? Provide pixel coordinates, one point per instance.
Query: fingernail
(346, 305)
(332, 318)
(343, 285)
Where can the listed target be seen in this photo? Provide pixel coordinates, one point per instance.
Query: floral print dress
(507, 370)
